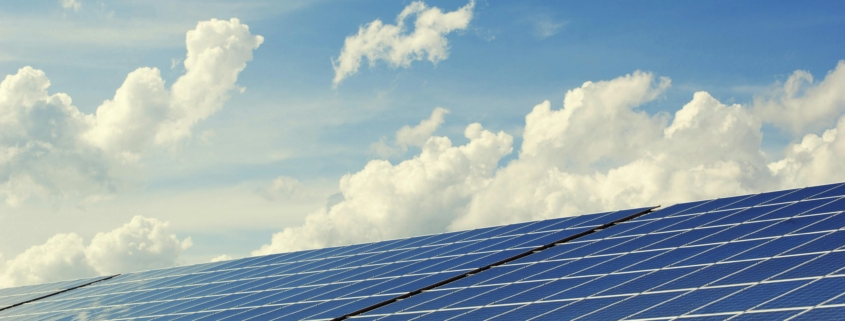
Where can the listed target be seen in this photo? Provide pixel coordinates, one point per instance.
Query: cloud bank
(597, 153)
(142, 244)
(48, 147)
(393, 44)
(385, 201)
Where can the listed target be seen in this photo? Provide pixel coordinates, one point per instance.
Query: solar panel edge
(257, 258)
(329, 249)
(772, 201)
(59, 292)
(639, 212)
(463, 231)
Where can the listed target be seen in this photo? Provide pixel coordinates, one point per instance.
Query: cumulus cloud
(61, 257)
(410, 136)
(801, 105)
(416, 196)
(599, 152)
(41, 153)
(48, 147)
(393, 44)
(816, 159)
(143, 112)
(709, 150)
(142, 244)
(599, 123)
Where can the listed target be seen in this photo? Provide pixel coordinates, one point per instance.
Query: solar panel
(745, 257)
(776, 255)
(10, 297)
(317, 284)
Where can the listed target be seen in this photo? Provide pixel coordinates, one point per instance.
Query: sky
(145, 134)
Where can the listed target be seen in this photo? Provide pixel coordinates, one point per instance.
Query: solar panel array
(318, 284)
(770, 256)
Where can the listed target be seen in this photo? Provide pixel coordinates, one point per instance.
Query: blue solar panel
(317, 284)
(10, 297)
(775, 255)
(833, 192)
(729, 258)
(804, 193)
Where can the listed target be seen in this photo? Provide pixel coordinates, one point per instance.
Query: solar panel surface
(318, 284)
(769, 256)
(10, 297)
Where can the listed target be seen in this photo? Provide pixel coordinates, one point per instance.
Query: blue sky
(290, 126)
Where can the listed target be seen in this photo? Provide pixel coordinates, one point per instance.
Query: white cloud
(416, 196)
(598, 153)
(141, 244)
(48, 147)
(419, 134)
(410, 136)
(61, 257)
(393, 44)
(382, 148)
(40, 150)
(814, 160)
(143, 112)
(800, 105)
(288, 189)
(223, 257)
(709, 150)
(599, 123)
(71, 4)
